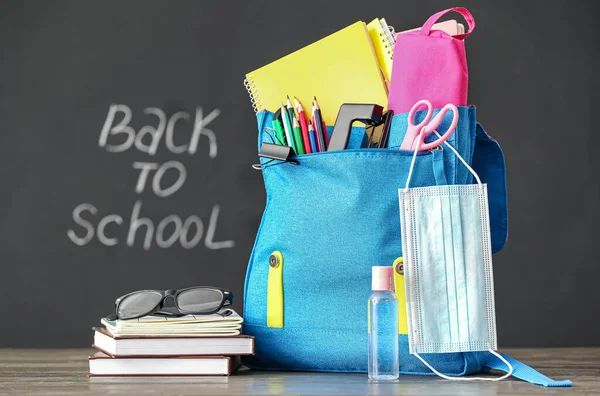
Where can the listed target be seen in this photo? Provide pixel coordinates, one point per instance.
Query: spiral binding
(253, 93)
(387, 37)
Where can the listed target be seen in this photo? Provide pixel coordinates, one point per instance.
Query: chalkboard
(128, 138)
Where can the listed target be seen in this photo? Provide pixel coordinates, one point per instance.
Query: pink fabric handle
(426, 29)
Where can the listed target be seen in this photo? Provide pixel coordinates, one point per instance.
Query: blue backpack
(331, 217)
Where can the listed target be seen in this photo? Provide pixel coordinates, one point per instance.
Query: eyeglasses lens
(200, 300)
(138, 304)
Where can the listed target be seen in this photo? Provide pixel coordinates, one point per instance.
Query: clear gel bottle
(383, 327)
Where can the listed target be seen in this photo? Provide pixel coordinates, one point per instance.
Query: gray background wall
(63, 63)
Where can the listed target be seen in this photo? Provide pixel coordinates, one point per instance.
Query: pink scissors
(424, 128)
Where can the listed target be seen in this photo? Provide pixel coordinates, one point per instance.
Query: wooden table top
(64, 372)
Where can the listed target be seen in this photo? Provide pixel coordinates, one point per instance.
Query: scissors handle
(435, 123)
(413, 131)
(415, 108)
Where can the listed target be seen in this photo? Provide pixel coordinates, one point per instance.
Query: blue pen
(312, 138)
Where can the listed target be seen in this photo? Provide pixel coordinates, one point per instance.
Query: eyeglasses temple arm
(228, 298)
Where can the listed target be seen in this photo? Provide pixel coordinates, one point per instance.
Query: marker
(298, 137)
(312, 138)
(303, 126)
(325, 134)
(279, 133)
(287, 127)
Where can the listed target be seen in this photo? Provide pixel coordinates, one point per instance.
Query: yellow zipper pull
(275, 291)
(400, 294)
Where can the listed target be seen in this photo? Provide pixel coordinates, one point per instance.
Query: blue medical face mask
(448, 269)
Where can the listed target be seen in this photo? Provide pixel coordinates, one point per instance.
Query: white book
(104, 365)
(118, 346)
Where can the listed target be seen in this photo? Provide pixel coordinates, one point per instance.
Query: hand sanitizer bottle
(383, 327)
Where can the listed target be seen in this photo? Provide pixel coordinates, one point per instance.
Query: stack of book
(158, 345)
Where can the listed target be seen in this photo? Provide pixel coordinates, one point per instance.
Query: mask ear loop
(460, 158)
(412, 163)
(510, 370)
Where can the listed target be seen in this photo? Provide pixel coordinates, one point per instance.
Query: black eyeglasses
(199, 300)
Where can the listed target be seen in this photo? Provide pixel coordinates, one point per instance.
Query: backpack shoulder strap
(523, 372)
(488, 162)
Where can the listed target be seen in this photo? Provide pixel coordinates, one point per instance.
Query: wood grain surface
(64, 372)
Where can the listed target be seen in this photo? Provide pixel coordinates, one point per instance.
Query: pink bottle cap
(383, 278)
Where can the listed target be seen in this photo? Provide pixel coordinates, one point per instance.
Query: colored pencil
(318, 125)
(312, 138)
(303, 125)
(325, 133)
(290, 110)
(287, 127)
(298, 137)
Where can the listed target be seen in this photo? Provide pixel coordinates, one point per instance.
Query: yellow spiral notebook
(383, 43)
(340, 68)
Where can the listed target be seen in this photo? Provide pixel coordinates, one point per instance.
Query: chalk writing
(188, 232)
(118, 137)
(146, 167)
(155, 133)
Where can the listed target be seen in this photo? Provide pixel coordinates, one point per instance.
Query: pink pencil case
(430, 64)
